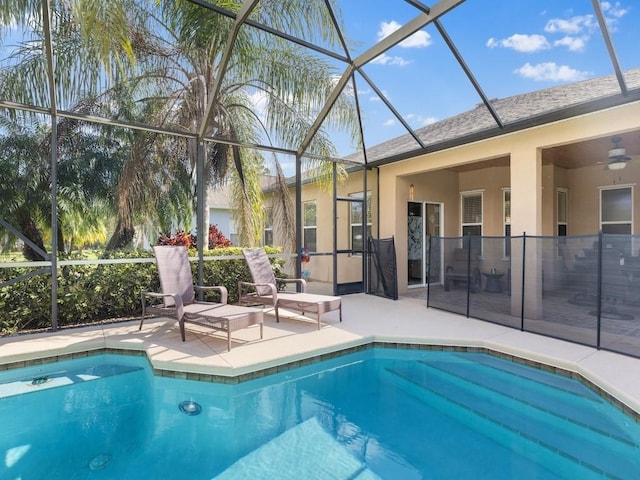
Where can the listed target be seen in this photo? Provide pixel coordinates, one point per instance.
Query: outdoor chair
(178, 298)
(264, 290)
(463, 270)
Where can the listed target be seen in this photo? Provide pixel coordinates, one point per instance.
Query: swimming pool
(377, 413)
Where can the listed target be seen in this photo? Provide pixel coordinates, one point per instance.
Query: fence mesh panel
(383, 272)
(584, 289)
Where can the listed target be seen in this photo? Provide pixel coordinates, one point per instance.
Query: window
(616, 212)
(472, 213)
(506, 220)
(309, 226)
(268, 228)
(355, 219)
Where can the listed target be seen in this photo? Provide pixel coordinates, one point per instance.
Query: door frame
(423, 209)
(426, 240)
(355, 286)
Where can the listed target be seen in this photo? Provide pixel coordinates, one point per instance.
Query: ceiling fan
(617, 156)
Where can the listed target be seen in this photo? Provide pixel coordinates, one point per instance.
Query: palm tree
(178, 47)
(88, 167)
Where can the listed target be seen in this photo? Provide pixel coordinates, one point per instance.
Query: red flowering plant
(217, 238)
(179, 238)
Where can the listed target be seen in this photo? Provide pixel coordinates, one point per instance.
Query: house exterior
(539, 176)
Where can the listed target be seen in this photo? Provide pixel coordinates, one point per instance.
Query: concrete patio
(295, 341)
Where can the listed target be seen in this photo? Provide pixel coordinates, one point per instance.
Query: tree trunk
(30, 230)
(122, 237)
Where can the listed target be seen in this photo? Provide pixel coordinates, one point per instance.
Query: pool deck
(366, 318)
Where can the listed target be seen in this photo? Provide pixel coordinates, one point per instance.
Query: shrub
(94, 293)
(217, 238)
(179, 238)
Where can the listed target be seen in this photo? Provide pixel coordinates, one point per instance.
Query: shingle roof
(516, 112)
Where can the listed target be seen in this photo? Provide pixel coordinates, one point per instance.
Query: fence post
(468, 272)
(430, 244)
(524, 252)
(599, 290)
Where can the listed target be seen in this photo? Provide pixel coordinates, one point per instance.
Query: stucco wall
(442, 176)
(532, 185)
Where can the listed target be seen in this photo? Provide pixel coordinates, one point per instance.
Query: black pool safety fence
(383, 273)
(584, 289)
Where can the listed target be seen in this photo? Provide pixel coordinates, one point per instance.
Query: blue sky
(511, 46)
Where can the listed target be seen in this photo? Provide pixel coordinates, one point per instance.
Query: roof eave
(535, 121)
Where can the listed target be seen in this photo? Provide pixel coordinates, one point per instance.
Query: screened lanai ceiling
(390, 69)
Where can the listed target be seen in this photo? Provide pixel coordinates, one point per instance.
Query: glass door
(424, 220)
(415, 244)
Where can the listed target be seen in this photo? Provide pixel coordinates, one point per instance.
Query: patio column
(526, 217)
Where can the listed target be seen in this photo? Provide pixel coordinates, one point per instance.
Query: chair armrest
(299, 281)
(242, 287)
(224, 293)
(177, 299)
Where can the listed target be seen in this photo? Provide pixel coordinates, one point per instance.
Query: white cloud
(521, 43)
(376, 98)
(613, 13)
(384, 59)
(572, 25)
(574, 44)
(550, 71)
(259, 101)
(419, 39)
(420, 120)
(615, 10)
(389, 123)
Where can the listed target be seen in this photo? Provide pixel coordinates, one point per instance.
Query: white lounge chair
(264, 291)
(178, 298)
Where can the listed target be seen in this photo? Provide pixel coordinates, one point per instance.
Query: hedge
(95, 293)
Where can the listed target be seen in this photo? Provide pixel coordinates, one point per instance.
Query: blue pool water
(378, 413)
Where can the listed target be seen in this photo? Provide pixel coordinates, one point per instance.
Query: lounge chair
(178, 298)
(264, 289)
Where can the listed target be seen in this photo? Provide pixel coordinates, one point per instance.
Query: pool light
(189, 407)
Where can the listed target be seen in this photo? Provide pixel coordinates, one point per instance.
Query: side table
(492, 283)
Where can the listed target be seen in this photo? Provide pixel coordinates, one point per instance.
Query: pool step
(559, 382)
(532, 389)
(512, 421)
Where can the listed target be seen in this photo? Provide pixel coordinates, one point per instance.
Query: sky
(511, 46)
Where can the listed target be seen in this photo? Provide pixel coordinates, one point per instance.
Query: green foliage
(94, 293)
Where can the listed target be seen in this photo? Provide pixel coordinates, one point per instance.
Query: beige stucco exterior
(532, 184)
(514, 161)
